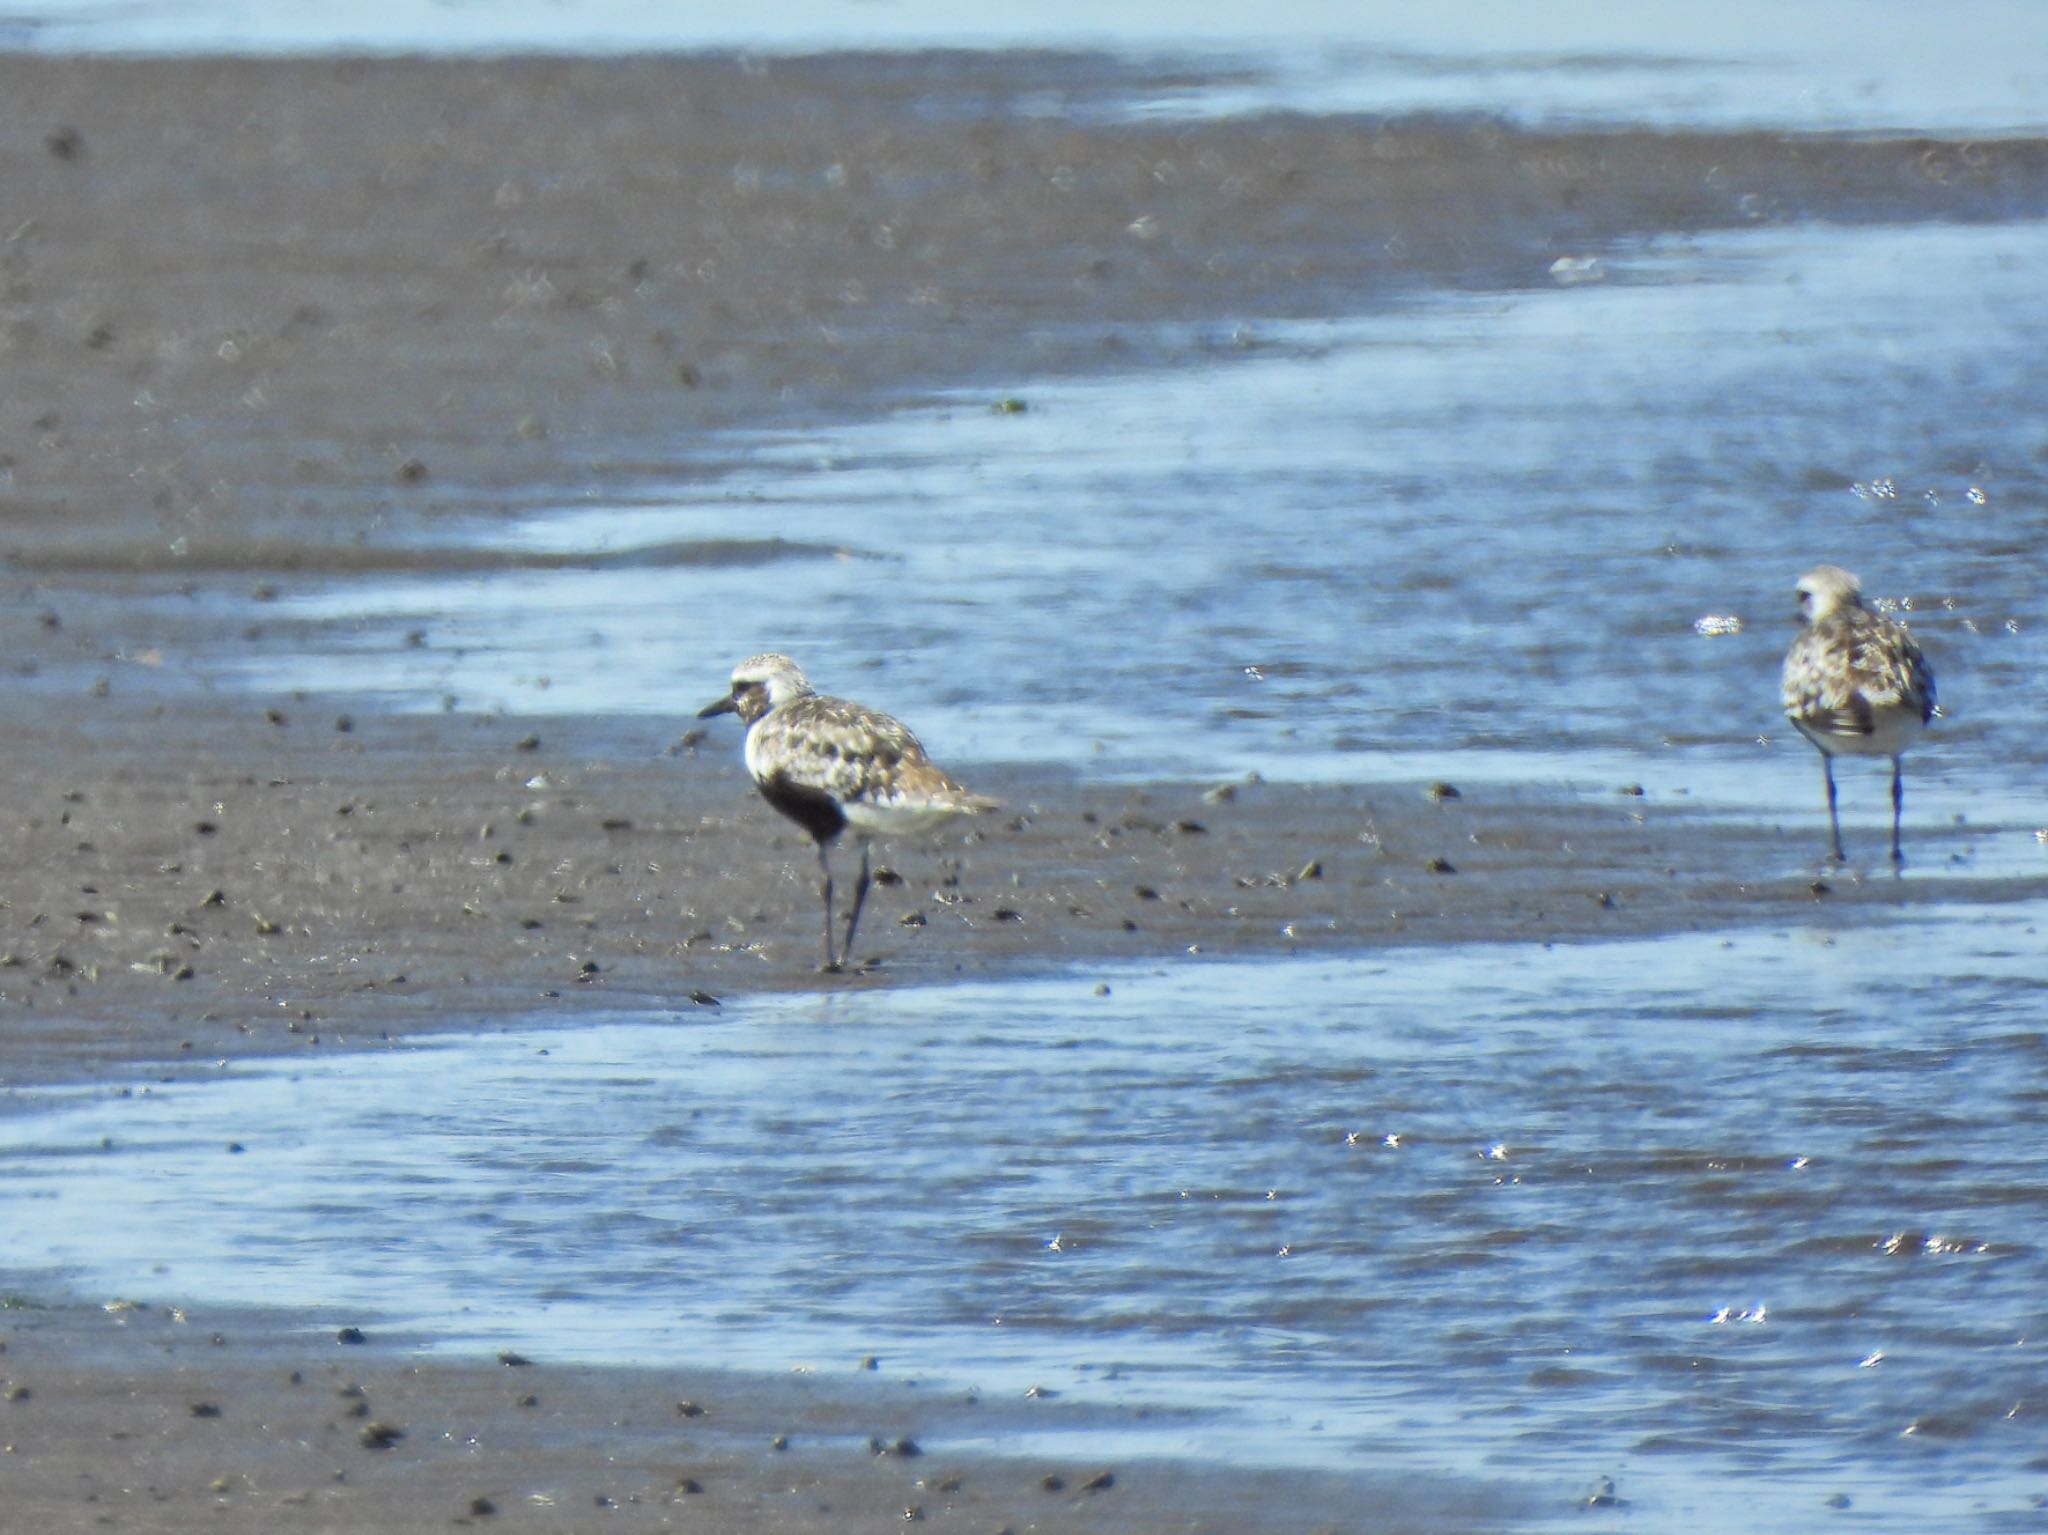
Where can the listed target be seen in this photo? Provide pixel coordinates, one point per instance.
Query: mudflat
(273, 324)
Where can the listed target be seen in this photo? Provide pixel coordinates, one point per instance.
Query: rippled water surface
(1471, 537)
(1971, 66)
(1743, 1223)
(1747, 1222)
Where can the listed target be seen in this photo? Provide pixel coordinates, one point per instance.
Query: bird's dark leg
(1827, 768)
(860, 895)
(1898, 811)
(831, 964)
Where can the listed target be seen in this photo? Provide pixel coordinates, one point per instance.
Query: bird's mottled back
(1854, 680)
(860, 757)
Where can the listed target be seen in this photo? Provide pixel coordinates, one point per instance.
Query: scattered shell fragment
(380, 1435)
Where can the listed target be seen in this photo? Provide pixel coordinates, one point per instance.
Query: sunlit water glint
(1741, 1222)
(1973, 68)
(1477, 537)
(1747, 1222)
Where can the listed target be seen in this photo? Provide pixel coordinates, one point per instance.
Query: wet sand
(152, 1419)
(185, 890)
(268, 325)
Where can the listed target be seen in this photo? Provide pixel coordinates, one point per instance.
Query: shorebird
(1855, 682)
(829, 764)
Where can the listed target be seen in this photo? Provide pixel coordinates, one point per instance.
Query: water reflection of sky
(1972, 66)
(1182, 1191)
(1469, 537)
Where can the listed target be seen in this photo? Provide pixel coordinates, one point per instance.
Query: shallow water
(1741, 1222)
(1472, 537)
(1972, 67)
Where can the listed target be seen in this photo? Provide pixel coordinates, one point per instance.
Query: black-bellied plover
(829, 764)
(1855, 682)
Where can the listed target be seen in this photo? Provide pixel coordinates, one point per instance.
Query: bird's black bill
(726, 705)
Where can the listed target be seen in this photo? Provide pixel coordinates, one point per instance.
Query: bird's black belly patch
(813, 809)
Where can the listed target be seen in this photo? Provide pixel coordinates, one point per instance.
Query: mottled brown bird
(829, 764)
(1855, 682)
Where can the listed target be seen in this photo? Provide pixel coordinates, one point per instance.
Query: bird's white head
(760, 683)
(1827, 590)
